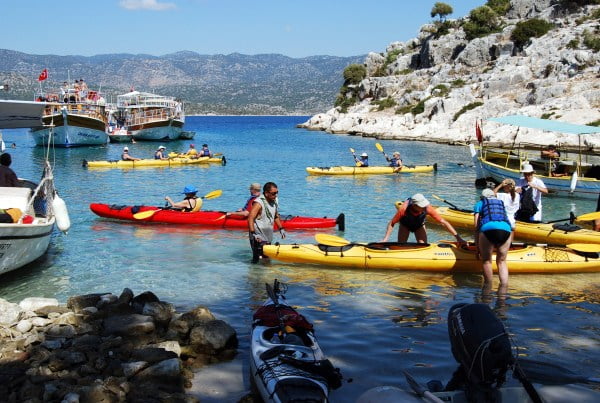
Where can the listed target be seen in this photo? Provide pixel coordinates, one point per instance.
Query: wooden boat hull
(160, 130)
(372, 170)
(441, 257)
(71, 128)
(215, 219)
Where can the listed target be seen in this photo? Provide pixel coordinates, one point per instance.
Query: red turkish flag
(43, 75)
(478, 132)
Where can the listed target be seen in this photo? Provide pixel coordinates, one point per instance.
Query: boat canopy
(545, 124)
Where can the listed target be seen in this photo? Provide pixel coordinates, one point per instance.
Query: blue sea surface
(371, 324)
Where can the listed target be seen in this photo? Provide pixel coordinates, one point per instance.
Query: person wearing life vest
(363, 161)
(160, 153)
(126, 157)
(205, 152)
(395, 161)
(192, 152)
(245, 211)
(191, 202)
(411, 216)
(493, 231)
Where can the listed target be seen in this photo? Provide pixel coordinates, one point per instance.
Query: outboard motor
(481, 346)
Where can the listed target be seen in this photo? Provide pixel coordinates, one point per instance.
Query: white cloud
(146, 5)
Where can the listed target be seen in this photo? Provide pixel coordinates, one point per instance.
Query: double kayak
(550, 233)
(371, 170)
(435, 257)
(177, 161)
(207, 218)
(286, 361)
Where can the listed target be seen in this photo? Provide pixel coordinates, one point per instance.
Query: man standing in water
(263, 215)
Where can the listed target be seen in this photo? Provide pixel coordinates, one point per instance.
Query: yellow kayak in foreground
(440, 257)
(149, 162)
(371, 170)
(558, 233)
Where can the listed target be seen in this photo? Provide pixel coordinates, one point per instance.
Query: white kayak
(286, 362)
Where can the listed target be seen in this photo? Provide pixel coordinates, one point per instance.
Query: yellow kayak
(218, 159)
(557, 234)
(371, 170)
(440, 257)
(146, 163)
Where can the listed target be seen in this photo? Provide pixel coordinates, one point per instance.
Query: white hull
(21, 244)
(69, 136)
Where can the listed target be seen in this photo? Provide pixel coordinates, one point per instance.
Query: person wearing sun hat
(411, 217)
(126, 157)
(190, 203)
(530, 183)
(159, 154)
(363, 161)
(395, 161)
(493, 231)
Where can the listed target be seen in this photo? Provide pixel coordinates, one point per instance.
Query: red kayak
(207, 218)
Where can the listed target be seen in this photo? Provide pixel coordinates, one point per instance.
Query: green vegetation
(573, 44)
(482, 21)
(442, 10)
(384, 103)
(404, 109)
(389, 59)
(405, 72)
(591, 40)
(525, 30)
(594, 16)
(465, 108)
(594, 123)
(344, 102)
(440, 90)
(548, 70)
(500, 7)
(354, 74)
(547, 115)
(418, 108)
(459, 82)
(574, 5)
(443, 28)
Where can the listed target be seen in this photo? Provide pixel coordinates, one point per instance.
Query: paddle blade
(352, 150)
(589, 216)
(331, 240)
(379, 147)
(213, 195)
(144, 214)
(573, 182)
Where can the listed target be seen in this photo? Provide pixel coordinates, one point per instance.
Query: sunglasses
(273, 193)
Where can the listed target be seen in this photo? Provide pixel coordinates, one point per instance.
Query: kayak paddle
(584, 247)
(149, 213)
(332, 240)
(380, 148)
(420, 390)
(355, 159)
(551, 374)
(445, 201)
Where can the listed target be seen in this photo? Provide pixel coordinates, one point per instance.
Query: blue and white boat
(580, 176)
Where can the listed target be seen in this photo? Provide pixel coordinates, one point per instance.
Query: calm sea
(371, 324)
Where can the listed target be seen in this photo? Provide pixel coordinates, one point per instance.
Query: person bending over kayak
(363, 161)
(493, 232)
(190, 203)
(411, 216)
(263, 215)
(245, 211)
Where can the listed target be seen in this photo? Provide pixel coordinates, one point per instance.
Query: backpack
(528, 207)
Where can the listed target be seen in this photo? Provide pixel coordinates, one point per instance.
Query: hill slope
(222, 84)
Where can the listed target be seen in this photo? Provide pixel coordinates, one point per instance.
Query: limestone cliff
(554, 76)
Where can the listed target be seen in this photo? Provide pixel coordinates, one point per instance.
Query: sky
(295, 28)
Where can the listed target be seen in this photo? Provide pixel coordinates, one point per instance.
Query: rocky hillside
(221, 84)
(434, 87)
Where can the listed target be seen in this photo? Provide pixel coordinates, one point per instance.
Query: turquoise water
(372, 325)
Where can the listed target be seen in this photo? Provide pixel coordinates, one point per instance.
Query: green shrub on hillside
(574, 5)
(482, 21)
(525, 30)
(441, 9)
(354, 74)
(404, 109)
(418, 108)
(442, 90)
(500, 7)
(405, 72)
(442, 28)
(459, 82)
(465, 108)
(393, 56)
(591, 40)
(573, 44)
(384, 103)
(594, 123)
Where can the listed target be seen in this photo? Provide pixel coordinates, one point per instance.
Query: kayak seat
(566, 227)
(119, 207)
(327, 248)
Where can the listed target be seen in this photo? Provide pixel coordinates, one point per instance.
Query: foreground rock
(104, 348)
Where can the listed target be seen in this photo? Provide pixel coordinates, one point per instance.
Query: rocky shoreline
(103, 347)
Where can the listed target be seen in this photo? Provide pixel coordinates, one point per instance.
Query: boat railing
(90, 110)
(150, 115)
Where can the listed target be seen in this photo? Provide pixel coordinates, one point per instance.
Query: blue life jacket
(248, 205)
(156, 156)
(410, 221)
(394, 162)
(205, 153)
(492, 210)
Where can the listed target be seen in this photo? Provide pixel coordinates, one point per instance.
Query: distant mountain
(220, 84)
